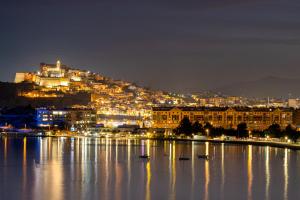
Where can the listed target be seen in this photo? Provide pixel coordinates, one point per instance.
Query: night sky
(178, 45)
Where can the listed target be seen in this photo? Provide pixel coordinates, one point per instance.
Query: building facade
(81, 119)
(256, 118)
(294, 103)
(70, 118)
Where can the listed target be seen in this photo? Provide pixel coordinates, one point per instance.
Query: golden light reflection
(148, 147)
(45, 149)
(172, 169)
(207, 177)
(268, 177)
(118, 174)
(285, 174)
(128, 163)
(24, 150)
(110, 150)
(77, 149)
(165, 147)
(116, 150)
(24, 166)
(49, 177)
(96, 150)
(250, 173)
(222, 168)
(193, 169)
(56, 171)
(148, 185)
(106, 166)
(193, 162)
(5, 148)
(49, 147)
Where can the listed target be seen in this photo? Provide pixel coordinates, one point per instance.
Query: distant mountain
(266, 87)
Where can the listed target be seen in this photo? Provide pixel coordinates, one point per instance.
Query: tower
(58, 64)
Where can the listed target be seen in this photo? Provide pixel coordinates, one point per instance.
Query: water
(90, 168)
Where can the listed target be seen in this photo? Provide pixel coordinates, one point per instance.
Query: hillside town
(60, 97)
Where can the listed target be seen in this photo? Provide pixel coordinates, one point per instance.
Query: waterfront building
(256, 118)
(75, 118)
(81, 118)
(44, 117)
(51, 118)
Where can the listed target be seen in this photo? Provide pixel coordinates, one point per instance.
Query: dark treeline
(188, 128)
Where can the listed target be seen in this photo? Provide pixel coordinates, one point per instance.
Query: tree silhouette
(185, 127)
(292, 133)
(197, 127)
(242, 130)
(275, 130)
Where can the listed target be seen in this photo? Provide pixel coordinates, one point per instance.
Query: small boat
(184, 158)
(203, 157)
(144, 156)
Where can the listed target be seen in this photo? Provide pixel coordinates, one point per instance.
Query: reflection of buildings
(256, 118)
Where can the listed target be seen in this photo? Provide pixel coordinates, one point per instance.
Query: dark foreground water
(89, 168)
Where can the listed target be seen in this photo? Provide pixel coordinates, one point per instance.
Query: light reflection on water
(250, 174)
(94, 168)
(267, 172)
(207, 175)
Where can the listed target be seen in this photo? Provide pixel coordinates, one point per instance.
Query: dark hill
(268, 86)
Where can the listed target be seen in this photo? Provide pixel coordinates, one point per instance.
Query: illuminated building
(44, 117)
(52, 70)
(75, 118)
(51, 75)
(294, 103)
(50, 118)
(24, 76)
(256, 118)
(52, 82)
(38, 94)
(81, 119)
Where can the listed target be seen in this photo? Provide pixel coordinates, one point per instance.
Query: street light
(207, 132)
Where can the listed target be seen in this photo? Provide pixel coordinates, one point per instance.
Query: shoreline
(292, 146)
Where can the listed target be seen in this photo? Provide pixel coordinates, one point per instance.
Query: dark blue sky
(174, 45)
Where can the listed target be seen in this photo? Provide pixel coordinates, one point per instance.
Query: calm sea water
(90, 168)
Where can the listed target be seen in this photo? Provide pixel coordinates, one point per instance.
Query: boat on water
(184, 158)
(145, 156)
(203, 157)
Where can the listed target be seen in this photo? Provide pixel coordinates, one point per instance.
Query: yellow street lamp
(207, 132)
